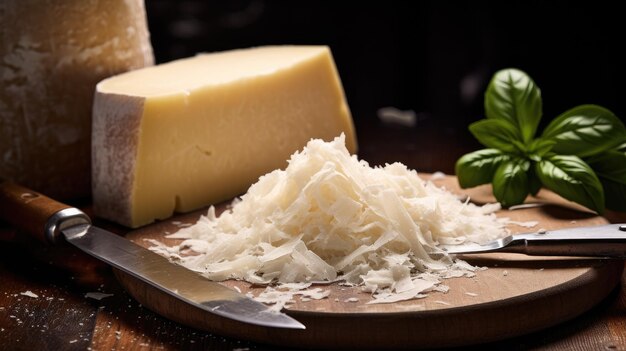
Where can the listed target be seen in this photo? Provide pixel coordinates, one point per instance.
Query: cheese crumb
(29, 294)
(527, 224)
(330, 217)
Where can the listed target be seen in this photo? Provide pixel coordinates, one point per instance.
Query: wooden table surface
(61, 317)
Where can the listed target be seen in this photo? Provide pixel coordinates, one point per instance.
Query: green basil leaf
(478, 167)
(513, 96)
(510, 182)
(610, 166)
(573, 179)
(534, 183)
(539, 148)
(497, 134)
(615, 194)
(585, 130)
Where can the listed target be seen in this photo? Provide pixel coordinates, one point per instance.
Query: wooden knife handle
(34, 213)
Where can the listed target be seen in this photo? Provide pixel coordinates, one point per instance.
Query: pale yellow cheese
(52, 55)
(193, 132)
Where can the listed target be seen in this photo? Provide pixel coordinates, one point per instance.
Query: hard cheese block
(197, 131)
(52, 55)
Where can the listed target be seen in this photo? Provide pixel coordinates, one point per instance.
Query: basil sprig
(581, 154)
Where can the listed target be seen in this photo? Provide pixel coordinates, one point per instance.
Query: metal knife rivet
(28, 197)
(622, 227)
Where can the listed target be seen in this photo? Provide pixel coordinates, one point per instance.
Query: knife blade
(49, 221)
(607, 241)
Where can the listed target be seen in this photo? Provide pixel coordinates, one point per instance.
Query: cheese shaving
(284, 295)
(329, 216)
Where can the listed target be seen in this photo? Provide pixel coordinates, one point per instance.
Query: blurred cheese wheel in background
(52, 54)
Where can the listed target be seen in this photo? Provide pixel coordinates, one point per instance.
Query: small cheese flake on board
(331, 217)
(283, 296)
(527, 224)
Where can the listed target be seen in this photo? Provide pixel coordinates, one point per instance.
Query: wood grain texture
(119, 322)
(56, 316)
(516, 295)
(26, 209)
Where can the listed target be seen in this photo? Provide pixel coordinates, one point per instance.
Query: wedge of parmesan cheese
(197, 131)
(329, 216)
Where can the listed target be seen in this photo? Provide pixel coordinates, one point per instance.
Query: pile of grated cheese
(330, 217)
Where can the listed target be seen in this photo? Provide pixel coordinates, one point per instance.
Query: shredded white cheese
(328, 217)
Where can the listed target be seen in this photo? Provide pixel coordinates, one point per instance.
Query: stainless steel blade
(174, 279)
(597, 241)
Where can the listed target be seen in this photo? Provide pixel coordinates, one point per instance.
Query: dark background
(433, 57)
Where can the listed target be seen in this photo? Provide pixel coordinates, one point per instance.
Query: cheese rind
(201, 130)
(117, 123)
(52, 55)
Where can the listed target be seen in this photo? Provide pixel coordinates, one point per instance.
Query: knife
(53, 222)
(607, 241)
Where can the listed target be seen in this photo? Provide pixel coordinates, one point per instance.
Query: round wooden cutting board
(517, 294)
